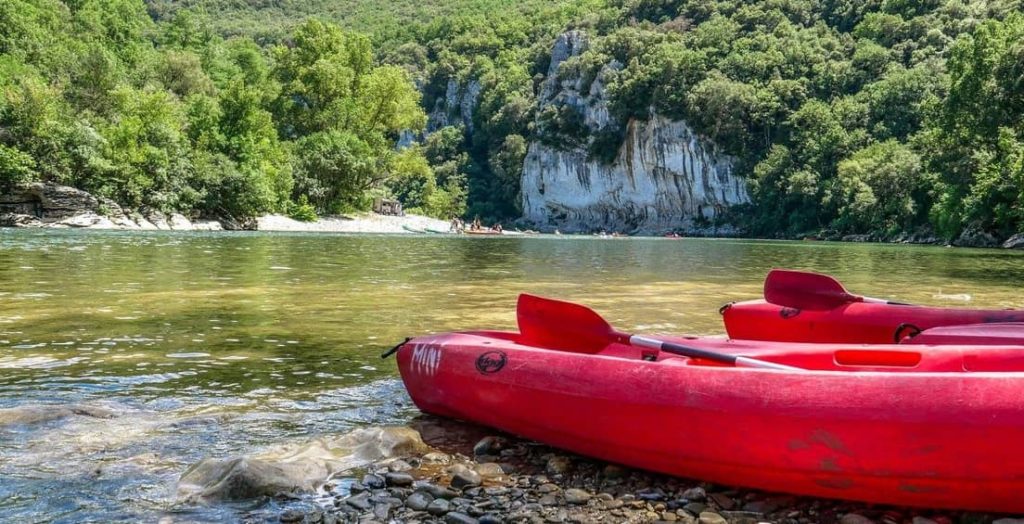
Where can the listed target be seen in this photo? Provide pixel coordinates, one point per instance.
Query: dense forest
(875, 116)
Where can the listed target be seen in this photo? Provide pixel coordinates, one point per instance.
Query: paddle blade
(562, 325)
(805, 290)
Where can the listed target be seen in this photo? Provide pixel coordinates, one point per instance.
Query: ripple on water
(187, 355)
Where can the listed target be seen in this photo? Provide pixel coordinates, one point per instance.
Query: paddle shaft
(678, 349)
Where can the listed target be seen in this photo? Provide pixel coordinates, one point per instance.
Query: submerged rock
(38, 413)
(295, 469)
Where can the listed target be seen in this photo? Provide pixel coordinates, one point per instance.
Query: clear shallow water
(164, 348)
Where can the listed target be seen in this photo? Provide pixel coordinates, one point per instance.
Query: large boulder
(19, 220)
(974, 236)
(1015, 242)
(295, 469)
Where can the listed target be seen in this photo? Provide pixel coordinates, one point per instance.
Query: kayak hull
(866, 425)
(856, 322)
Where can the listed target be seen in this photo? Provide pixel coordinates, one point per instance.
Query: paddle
(806, 290)
(574, 327)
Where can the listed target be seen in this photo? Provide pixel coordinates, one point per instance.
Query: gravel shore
(478, 476)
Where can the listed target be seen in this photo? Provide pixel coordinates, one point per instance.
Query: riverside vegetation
(878, 116)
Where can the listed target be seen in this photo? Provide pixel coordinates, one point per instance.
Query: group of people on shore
(459, 226)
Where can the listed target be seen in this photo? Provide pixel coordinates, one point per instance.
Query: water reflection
(210, 344)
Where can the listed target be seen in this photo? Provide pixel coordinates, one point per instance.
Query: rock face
(56, 206)
(663, 176)
(1015, 242)
(455, 108)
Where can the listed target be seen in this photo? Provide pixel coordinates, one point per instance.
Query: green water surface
(211, 344)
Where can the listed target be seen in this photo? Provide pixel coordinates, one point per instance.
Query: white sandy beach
(364, 223)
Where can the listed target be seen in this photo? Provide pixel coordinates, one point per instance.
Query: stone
(382, 510)
(373, 482)
(696, 494)
(19, 220)
(724, 501)
(490, 445)
(710, 517)
(855, 518)
(360, 501)
(292, 515)
(294, 468)
(695, 507)
(465, 478)
(651, 494)
(400, 479)
(1014, 242)
(548, 500)
(436, 491)
(975, 236)
(612, 471)
(558, 465)
(489, 470)
(456, 517)
(438, 507)
(576, 496)
(548, 488)
(743, 517)
(490, 519)
(419, 501)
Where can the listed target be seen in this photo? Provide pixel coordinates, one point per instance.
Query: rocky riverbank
(463, 474)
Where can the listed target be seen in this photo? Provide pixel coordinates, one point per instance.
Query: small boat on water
(810, 307)
(936, 426)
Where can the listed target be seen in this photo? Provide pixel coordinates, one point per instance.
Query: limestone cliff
(663, 176)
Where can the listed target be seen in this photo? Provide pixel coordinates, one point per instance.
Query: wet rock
(437, 458)
(548, 500)
(465, 478)
(855, 518)
(576, 496)
(489, 470)
(292, 515)
(360, 501)
(456, 517)
(435, 491)
(438, 507)
(19, 220)
(382, 510)
(294, 469)
(696, 494)
(398, 479)
(710, 517)
(419, 501)
(490, 519)
(651, 494)
(490, 445)
(373, 482)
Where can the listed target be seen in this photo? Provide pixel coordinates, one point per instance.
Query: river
(142, 353)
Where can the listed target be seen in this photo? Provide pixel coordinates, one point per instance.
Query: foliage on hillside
(96, 95)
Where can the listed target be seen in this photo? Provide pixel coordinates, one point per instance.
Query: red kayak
(928, 426)
(809, 307)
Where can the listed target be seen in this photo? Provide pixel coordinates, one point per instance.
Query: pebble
(435, 491)
(576, 496)
(456, 517)
(438, 507)
(558, 465)
(398, 479)
(292, 515)
(360, 501)
(465, 478)
(419, 501)
(489, 470)
(855, 518)
(490, 445)
(710, 517)
(724, 501)
(696, 494)
(373, 482)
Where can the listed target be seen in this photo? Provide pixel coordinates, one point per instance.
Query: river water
(130, 356)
